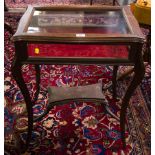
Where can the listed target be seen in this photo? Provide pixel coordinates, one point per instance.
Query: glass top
(78, 22)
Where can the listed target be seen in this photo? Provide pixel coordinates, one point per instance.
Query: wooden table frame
(135, 39)
(113, 2)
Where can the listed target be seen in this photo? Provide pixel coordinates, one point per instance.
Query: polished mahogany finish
(78, 35)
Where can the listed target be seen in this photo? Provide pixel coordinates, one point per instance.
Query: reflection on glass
(33, 29)
(105, 22)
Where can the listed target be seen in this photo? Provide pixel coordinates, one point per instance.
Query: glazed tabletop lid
(79, 24)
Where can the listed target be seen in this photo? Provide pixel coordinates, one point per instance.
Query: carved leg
(17, 75)
(115, 69)
(139, 74)
(37, 68)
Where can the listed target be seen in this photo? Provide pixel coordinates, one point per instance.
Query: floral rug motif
(76, 128)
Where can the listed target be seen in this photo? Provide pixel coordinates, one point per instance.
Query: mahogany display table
(78, 35)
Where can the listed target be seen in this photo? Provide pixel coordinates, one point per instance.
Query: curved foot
(138, 76)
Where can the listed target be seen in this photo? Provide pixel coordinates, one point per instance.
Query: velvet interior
(72, 50)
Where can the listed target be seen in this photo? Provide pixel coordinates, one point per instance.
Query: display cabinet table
(78, 35)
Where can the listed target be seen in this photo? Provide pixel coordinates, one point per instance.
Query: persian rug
(76, 128)
(24, 3)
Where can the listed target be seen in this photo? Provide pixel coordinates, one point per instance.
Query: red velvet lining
(74, 50)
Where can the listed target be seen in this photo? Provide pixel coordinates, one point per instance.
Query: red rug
(77, 128)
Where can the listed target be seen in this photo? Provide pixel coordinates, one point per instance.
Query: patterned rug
(76, 128)
(24, 3)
